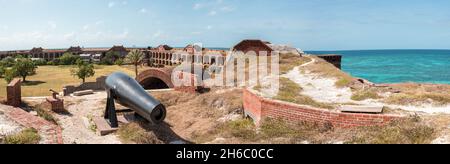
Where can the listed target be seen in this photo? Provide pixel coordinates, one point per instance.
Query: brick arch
(156, 77)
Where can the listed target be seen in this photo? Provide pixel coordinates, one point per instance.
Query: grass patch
(134, 133)
(243, 128)
(290, 92)
(270, 129)
(409, 131)
(438, 99)
(326, 69)
(289, 61)
(365, 94)
(46, 115)
(27, 136)
(55, 77)
(258, 88)
(274, 128)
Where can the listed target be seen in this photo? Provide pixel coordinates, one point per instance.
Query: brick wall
(336, 60)
(99, 84)
(259, 108)
(14, 93)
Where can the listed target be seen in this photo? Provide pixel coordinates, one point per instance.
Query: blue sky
(306, 24)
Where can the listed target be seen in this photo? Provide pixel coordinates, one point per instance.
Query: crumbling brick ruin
(13, 93)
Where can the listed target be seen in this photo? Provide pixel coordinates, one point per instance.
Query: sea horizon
(396, 65)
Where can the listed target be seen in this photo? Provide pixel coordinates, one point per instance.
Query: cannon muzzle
(129, 93)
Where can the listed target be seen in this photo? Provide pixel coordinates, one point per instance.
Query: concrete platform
(103, 127)
(362, 109)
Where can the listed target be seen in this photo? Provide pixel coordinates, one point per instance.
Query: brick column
(14, 93)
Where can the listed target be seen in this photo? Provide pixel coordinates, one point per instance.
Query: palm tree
(135, 57)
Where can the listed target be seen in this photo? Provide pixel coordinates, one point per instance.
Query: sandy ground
(324, 90)
(8, 126)
(76, 124)
(319, 88)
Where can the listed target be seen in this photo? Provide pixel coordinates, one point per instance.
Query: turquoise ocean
(396, 66)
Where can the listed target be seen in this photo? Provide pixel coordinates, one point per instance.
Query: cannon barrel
(129, 93)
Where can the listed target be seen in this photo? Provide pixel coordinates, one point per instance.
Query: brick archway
(156, 78)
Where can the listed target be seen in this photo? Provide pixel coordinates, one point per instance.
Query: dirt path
(76, 125)
(319, 88)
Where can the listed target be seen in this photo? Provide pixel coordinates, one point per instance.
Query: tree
(8, 61)
(68, 59)
(135, 57)
(24, 67)
(9, 75)
(2, 70)
(110, 58)
(84, 70)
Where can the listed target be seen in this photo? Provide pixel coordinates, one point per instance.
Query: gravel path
(77, 128)
(8, 126)
(77, 125)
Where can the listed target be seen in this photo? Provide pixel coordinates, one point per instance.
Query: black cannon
(129, 93)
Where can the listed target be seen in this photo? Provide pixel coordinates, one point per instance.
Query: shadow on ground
(33, 83)
(163, 132)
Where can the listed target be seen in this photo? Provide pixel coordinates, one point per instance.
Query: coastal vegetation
(289, 61)
(365, 94)
(134, 133)
(325, 69)
(418, 94)
(291, 92)
(408, 131)
(411, 130)
(27, 136)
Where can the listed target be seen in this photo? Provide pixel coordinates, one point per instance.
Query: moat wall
(259, 109)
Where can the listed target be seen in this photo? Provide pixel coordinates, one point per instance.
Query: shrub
(68, 59)
(243, 128)
(8, 61)
(290, 92)
(110, 58)
(365, 94)
(45, 115)
(27, 136)
(40, 62)
(119, 62)
(408, 131)
(134, 133)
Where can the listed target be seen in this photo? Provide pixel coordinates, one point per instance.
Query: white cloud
(124, 2)
(111, 4)
(212, 13)
(143, 10)
(214, 7)
(198, 6)
(227, 9)
(209, 27)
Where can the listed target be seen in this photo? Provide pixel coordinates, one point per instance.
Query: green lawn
(55, 77)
